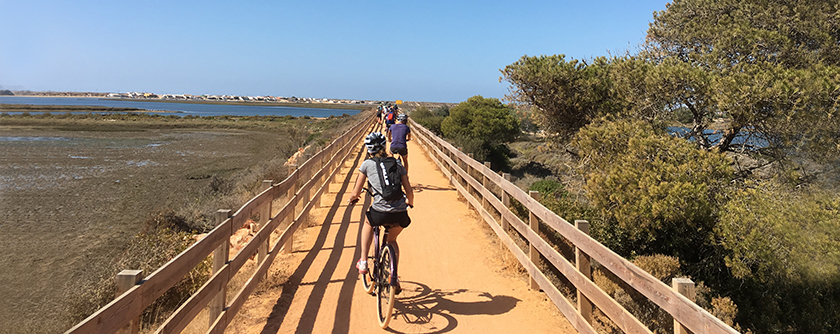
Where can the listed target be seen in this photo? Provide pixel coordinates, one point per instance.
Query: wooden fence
(302, 189)
(475, 180)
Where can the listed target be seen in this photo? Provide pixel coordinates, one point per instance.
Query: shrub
(548, 187)
(662, 192)
(161, 240)
(441, 111)
(428, 119)
(783, 249)
(481, 126)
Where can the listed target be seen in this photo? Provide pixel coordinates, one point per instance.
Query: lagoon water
(181, 109)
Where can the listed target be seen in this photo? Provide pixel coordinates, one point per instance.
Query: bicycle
(381, 278)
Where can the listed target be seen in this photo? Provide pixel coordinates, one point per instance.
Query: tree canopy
(481, 118)
(769, 69)
(481, 126)
(568, 94)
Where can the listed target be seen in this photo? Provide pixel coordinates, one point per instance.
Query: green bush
(481, 126)
(783, 248)
(662, 193)
(428, 119)
(548, 187)
(441, 111)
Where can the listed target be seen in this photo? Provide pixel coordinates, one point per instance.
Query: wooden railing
(474, 181)
(302, 190)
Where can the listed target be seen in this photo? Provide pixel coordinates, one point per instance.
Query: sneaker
(397, 287)
(362, 266)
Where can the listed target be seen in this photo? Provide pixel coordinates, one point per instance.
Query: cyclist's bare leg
(367, 238)
(404, 161)
(393, 232)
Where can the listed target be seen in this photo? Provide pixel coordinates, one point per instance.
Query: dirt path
(449, 272)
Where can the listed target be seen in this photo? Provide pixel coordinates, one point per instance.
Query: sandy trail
(449, 271)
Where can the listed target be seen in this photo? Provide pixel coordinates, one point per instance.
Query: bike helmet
(402, 117)
(375, 142)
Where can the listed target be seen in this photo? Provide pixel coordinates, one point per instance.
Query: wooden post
(220, 259)
(506, 202)
(292, 168)
(293, 187)
(685, 287)
(484, 183)
(584, 266)
(535, 226)
(265, 215)
(126, 280)
(288, 247)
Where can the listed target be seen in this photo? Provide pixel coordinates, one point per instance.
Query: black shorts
(399, 150)
(377, 218)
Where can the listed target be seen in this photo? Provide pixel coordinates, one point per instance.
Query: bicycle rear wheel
(368, 283)
(384, 291)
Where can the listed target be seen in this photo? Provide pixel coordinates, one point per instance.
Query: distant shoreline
(275, 104)
(244, 103)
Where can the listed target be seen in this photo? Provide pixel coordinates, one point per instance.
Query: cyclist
(381, 212)
(390, 118)
(400, 134)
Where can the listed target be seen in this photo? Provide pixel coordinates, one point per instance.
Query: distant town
(190, 97)
(234, 98)
(224, 98)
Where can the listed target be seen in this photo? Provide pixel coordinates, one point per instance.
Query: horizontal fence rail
(302, 189)
(474, 180)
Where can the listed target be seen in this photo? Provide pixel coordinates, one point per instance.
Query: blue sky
(434, 51)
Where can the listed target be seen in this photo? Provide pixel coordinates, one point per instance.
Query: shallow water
(179, 109)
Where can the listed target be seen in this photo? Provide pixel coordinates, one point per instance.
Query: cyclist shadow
(418, 187)
(420, 306)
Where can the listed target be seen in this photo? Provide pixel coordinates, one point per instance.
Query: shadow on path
(423, 307)
(419, 187)
(281, 307)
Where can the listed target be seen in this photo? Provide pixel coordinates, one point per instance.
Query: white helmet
(375, 142)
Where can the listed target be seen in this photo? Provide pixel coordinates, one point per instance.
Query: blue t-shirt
(399, 132)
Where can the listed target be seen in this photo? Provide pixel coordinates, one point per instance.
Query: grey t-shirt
(369, 168)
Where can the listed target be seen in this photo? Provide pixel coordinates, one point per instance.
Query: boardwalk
(454, 275)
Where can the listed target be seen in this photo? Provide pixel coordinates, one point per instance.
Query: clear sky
(434, 51)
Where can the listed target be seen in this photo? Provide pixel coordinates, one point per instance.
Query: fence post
(532, 251)
(265, 215)
(290, 219)
(506, 202)
(484, 204)
(584, 266)
(126, 280)
(220, 259)
(685, 287)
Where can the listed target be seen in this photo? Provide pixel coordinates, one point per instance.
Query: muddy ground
(71, 196)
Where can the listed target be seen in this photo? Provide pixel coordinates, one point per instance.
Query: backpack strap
(378, 161)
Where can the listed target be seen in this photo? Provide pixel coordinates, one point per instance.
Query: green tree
(481, 126)
(769, 67)
(568, 94)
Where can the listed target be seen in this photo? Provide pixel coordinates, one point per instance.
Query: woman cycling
(381, 212)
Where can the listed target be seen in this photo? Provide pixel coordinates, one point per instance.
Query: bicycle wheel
(368, 282)
(384, 291)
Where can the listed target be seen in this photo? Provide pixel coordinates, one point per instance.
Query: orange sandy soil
(455, 276)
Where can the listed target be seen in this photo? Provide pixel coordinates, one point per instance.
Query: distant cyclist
(400, 135)
(390, 118)
(392, 213)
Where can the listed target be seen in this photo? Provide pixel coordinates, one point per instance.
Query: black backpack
(389, 178)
